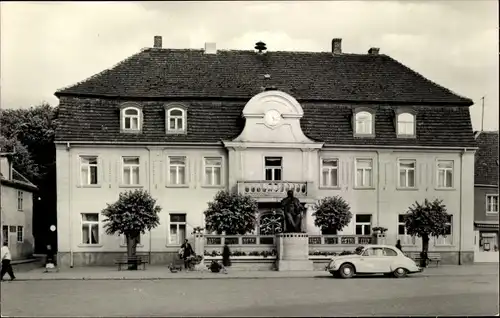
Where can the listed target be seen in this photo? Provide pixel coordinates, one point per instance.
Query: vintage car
(373, 259)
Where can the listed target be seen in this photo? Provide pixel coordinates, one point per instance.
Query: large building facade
(184, 124)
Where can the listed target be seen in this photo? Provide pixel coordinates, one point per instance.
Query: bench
(138, 259)
(431, 257)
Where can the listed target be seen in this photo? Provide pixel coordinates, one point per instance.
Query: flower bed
(251, 254)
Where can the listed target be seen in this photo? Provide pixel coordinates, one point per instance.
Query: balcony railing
(265, 189)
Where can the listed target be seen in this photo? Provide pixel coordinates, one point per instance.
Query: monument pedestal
(293, 252)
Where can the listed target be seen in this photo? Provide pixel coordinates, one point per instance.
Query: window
(448, 238)
(492, 203)
(273, 168)
(123, 240)
(364, 173)
(5, 233)
(374, 251)
(402, 235)
(20, 234)
(177, 170)
(130, 170)
(131, 118)
(330, 173)
(177, 233)
(90, 228)
(213, 171)
(407, 173)
(363, 224)
(390, 252)
(406, 124)
(175, 119)
(88, 170)
(364, 121)
(19, 200)
(445, 173)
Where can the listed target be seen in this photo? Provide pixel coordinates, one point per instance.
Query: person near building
(6, 266)
(398, 245)
(187, 251)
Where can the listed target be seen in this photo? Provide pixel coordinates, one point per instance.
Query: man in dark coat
(226, 261)
(187, 252)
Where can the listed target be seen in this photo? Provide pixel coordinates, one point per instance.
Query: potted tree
(332, 214)
(134, 212)
(426, 220)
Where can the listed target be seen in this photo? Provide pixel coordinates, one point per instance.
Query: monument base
(293, 252)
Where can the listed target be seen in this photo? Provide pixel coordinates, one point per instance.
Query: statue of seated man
(292, 210)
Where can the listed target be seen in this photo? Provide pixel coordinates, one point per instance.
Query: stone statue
(292, 210)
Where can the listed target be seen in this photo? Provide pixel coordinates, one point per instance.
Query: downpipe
(378, 188)
(461, 207)
(70, 210)
(149, 190)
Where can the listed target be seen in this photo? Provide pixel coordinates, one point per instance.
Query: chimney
(373, 51)
(337, 46)
(6, 167)
(210, 48)
(157, 42)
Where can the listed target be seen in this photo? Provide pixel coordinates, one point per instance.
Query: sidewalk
(161, 272)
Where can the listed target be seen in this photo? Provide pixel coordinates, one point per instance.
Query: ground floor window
(20, 234)
(5, 233)
(90, 228)
(177, 228)
(402, 235)
(488, 241)
(447, 238)
(363, 224)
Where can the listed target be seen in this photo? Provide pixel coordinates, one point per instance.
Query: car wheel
(346, 271)
(400, 272)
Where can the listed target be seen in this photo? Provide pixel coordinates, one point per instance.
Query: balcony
(273, 189)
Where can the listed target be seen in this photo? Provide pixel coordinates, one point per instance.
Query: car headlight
(332, 262)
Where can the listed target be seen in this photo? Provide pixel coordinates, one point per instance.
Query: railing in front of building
(272, 188)
(340, 240)
(243, 240)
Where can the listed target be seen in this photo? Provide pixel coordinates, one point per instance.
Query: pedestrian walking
(226, 260)
(6, 258)
(398, 245)
(187, 251)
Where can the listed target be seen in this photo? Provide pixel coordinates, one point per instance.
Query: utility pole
(482, 114)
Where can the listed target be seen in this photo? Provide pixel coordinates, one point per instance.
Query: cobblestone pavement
(321, 296)
(161, 272)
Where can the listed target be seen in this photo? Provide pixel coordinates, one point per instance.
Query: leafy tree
(426, 220)
(231, 213)
(134, 213)
(332, 214)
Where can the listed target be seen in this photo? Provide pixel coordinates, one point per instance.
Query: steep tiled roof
(168, 73)
(486, 168)
(93, 119)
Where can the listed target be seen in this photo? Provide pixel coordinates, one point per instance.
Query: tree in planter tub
(332, 214)
(134, 212)
(426, 220)
(231, 213)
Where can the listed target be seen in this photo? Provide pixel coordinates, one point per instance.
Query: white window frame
(356, 223)
(273, 168)
(88, 167)
(330, 171)
(364, 171)
(131, 167)
(5, 234)
(407, 171)
(213, 167)
(448, 240)
(178, 118)
(185, 165)
(20, 200)
(131, 118)
(170, 223)
(89, 225)
(490, 205)
(444, 170)
(21, 228)
(363, 126)
(405, 238)
(406, 124)
(123, 240)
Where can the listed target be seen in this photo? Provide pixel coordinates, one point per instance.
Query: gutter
(145, 143)
(70, 187)
(334, 147)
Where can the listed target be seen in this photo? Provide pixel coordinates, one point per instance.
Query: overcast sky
(47, 46)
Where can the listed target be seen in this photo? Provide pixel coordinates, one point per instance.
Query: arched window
(176, 119)
(131, 118)
(406, 124)
(271, 223)
(364, 121)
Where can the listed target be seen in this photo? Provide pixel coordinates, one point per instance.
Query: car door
(392, 259)
(372, 261)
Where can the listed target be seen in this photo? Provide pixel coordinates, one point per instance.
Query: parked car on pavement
(373, 259)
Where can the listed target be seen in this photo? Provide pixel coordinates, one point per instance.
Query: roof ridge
(100, 73)
(253, 51)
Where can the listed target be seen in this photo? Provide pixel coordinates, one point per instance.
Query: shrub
(332, 214)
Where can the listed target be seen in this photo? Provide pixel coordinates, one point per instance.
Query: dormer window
(176, 119)
(406, 124)
(363, 123)
(131, 118)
